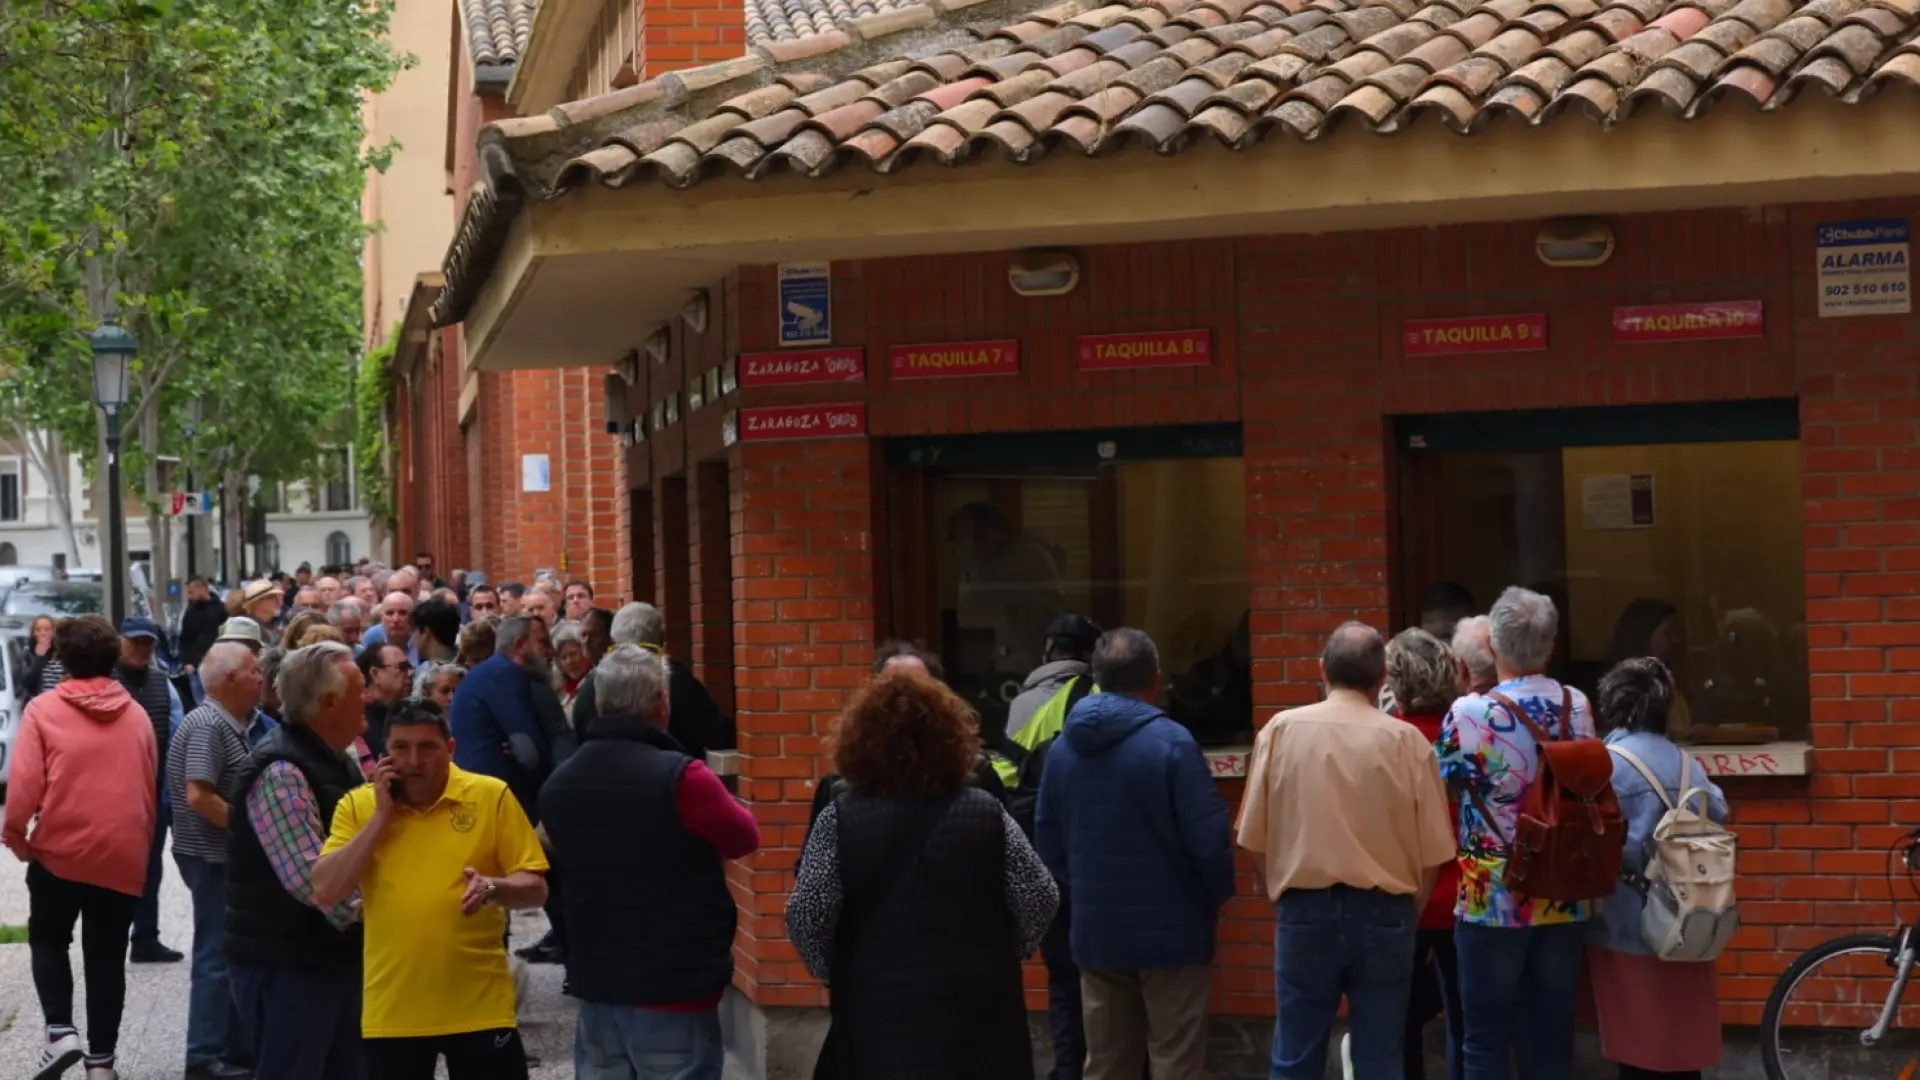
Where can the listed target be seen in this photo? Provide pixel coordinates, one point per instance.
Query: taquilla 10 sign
(1864, 267)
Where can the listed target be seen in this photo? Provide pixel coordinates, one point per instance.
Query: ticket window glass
(1131, 528)
(1670, 532)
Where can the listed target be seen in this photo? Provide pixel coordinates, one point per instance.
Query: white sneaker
(57, 1057)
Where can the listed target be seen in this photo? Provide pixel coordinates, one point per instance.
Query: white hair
(638, 624)
(221, 662)
(342, 608)
(1472, 643)
(630, 681)
(569, 630)
(1525, 627)
(432, 672)
(307, 673)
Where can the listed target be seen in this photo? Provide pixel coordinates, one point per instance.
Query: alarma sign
(1863, 267)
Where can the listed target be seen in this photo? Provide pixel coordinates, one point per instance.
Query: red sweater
(1446, 889)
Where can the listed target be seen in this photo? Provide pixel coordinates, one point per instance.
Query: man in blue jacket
(496, 730)
(1130, 823)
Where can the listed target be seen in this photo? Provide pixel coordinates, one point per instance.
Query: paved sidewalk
(153, 1033)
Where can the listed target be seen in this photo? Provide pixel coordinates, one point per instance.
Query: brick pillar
(803, 626)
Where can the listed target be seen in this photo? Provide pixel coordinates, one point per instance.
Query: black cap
(1073, 634)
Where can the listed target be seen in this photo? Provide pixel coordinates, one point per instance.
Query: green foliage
(193, 168)
(371, 392)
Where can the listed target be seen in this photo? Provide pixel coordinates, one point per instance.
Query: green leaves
(193, 168)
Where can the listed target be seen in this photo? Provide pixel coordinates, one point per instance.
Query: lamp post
(190, 429)
(113, 351)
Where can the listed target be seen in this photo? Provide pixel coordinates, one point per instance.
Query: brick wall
(463, 484)
(1308, 332)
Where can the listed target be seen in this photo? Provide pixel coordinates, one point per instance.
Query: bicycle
(1848, 1021)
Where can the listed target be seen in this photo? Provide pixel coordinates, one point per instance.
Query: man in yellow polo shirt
(439, 855)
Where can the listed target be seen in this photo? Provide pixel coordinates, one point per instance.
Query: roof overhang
(416, 325)
(584, 278)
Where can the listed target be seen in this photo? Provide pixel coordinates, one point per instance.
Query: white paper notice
(1616, 501)
(1863, 267)
(536, 473)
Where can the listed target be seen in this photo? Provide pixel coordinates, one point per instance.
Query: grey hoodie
(1046, 681)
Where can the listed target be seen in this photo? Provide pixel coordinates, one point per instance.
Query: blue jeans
(1333, 943)
(1519, 987)
(214, 1031)
(305, 1024)
(146, 916)
(623, 1042)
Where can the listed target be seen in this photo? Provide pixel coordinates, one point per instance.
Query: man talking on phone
(438, 855)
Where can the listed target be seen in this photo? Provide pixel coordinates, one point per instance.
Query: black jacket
(149, 688)
(649, 918)
(833, 785)
(199, 629)
(694, 719)
(926, 966)
(264, 923)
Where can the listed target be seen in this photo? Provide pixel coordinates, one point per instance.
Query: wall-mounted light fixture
(1043, 273)
(656, 346)
(1574, 242)
(694, 313)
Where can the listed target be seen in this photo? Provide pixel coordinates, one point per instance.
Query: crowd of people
(354, 770)
(359, 793)
(1378, 821)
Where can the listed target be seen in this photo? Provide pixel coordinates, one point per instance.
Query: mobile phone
(397, 789)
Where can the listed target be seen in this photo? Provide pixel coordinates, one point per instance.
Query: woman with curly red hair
(917, 896)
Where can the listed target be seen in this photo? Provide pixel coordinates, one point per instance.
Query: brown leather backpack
(1569, 833)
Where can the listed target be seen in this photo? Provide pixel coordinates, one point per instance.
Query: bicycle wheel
(1823, 1005)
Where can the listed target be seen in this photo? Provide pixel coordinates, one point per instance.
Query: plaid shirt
(286, 818)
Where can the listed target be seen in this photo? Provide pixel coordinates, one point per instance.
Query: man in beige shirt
(1346, 814)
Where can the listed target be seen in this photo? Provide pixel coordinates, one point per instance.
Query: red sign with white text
(805, 366)
(802, 422)
(1476, 334)
(954, 358)
(1688, 322)
(1171, 348)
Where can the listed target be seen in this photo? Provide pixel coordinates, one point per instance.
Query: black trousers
(1628, 1072)
(53, 906)
(1436, 992)
(555, 907)
(471, 1055)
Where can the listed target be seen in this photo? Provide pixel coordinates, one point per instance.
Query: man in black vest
(138, 638)
(293, 956)
(644, 831)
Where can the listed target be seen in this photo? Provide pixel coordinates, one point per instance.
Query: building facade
(1635, 342)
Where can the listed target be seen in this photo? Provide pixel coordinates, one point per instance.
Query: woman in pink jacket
(80, 814)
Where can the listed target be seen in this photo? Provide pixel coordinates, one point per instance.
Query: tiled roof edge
(535, 156)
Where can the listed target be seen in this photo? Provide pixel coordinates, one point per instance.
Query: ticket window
(1673, 532)
(1134, 528)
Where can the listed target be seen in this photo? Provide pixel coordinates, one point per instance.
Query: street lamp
(113, 351)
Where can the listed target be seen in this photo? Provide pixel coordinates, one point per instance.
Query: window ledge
(1765, 759)
(1229, 762)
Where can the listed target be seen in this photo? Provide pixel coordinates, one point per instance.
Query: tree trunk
(159, 517)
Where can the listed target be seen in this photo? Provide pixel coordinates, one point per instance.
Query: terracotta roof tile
(946, 81)
(496, 30)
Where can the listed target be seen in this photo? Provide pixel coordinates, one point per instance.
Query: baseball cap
(135, 626)
(1073, 633)
(243, 630)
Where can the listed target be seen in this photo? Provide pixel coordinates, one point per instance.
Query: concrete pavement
(153, 1033)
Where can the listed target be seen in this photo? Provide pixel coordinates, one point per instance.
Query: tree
(192, 168)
